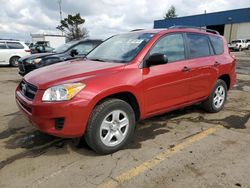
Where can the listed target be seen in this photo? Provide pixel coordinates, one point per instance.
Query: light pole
(60, 11)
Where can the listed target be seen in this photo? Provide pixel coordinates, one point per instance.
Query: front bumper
(25, 68)
(233, 47)
(44, 115)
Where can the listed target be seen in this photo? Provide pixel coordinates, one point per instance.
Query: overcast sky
(19, 18)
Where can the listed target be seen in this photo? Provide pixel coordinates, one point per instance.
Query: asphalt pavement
(184, 148)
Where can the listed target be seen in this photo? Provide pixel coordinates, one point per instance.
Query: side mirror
(156, 59)
(73, 52)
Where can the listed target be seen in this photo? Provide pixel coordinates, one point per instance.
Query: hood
(34, 56)
(70, 71)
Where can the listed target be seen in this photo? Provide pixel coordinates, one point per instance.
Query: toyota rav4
(127, 78)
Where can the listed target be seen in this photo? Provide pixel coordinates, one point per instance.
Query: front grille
(28, 90)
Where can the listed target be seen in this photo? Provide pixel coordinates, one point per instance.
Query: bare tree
(72, 27)
(171, 13)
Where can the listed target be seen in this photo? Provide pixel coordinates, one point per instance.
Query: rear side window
(172, 46)
(217, 43)
(3, 45)
(198, 45)
(15, 45)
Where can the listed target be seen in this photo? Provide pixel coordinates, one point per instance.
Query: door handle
(186, 69)
(216, 64)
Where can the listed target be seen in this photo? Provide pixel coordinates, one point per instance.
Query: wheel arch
(15, 55)
(226, 78)
(124, 95)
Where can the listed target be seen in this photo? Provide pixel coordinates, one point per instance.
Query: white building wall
(37, 38)
(243, 31)
(55, 41)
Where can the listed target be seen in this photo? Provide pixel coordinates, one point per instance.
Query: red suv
(127, 78)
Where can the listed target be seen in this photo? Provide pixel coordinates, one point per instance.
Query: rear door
(166, 86)
(201, 63)
(16, 48)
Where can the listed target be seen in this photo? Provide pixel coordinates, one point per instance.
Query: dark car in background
(68, 51)
(40, 47)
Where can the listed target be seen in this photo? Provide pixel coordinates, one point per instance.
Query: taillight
(27, 50)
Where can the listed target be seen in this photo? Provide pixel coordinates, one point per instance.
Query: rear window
(15, 45)
(217, 43)
(3, 45)
(198, 45)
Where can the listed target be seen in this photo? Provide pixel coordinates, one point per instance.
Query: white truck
(239, 45)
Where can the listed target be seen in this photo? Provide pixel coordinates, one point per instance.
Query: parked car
(11, 51)
(70, 50)
(127, 78)
(40, 47)
(238, 45)
(248, 43)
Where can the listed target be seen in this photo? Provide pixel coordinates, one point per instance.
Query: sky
(20, 18)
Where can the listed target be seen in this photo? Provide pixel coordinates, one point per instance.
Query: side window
(15, 45)
(217, 43)
(83, 48)
(172, 45)
(3, 45)
(198, 45)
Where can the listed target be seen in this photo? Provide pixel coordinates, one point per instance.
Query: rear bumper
(233, 79)
(45, 115)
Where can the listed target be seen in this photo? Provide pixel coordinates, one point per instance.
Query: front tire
(217, 98)
(111, 126)
(14, 61)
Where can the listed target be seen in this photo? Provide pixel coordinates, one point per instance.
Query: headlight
(34, 61)
(62, 92)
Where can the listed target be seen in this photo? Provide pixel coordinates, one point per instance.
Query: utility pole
(60, 11)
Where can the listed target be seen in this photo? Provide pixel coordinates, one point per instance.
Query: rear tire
(110, 127)
(217, 98)
(14, 61)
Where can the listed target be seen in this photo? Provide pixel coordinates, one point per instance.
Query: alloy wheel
(219, 96)
(114, 128)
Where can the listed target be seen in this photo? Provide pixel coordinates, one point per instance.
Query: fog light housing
(59, 123)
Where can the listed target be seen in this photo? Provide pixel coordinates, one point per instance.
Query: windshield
(236, 41)
(64, 47)
(120, 48)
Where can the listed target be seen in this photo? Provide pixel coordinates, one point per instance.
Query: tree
(72, 27)
(170, 13)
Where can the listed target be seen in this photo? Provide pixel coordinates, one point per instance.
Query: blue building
(233, 24)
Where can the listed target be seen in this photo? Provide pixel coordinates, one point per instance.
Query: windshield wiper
(97, 59)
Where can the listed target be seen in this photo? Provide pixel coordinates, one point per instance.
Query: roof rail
(10, 39)
(193, 27)
(136, 30)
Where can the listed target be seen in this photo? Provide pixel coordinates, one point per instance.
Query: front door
(166, 86)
